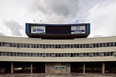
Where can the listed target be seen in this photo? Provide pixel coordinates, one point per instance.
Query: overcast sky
(100, 13)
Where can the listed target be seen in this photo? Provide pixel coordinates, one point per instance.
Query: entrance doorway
(38, 67)
(76, 67)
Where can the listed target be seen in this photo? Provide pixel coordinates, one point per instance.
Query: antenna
(41, 21)
(76, 21)
(34, 20)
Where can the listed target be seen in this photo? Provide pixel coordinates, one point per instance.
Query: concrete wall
(57, 68)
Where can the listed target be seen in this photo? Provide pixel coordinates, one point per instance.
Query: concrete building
(57, 53)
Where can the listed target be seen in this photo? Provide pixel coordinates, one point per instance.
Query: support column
(103, 68)
(31, 68)
(12, 67)
(83, 68)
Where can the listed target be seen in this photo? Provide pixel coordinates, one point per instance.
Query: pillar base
(103, 68)
(12, 67)
(83, 68)
(31, 68)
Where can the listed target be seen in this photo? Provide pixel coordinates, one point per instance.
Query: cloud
(2, 34)
(100, 13)
(62, 11)
(102, 17)
(56, 10)
(14, 27)
(59, 7)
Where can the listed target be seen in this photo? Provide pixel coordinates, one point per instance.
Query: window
(28, 46)
(100, 45)
(108, 44)
(94, 45)
(111, 44)
(115, 44)
(87, 45)
(0, 53)
(34, 46)
(104, 44)
(56, 54)
(24, 45)
(90, 45)
(3, 53)
(91, 54)
(0, 44)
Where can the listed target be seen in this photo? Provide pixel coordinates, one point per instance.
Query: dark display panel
(58, 29)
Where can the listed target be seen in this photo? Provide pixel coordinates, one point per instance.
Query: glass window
(25, 46)
(3, 53)
(108, 44)
(71, 54)
(93, 45)
(15, 54)
(84, 45)
(24, 54)
(91, 54)
(62, 46)
(75, 46)
(21, 54)
(80, 45)
(31, 54)
(40, 46)
(101, 54)
(10, 45)
(13, 44)
(84, 54)
(18, 54)
(0, 44)
(114, 43)
(87, 45)
(90, 45)
(111, 44)
(0, 54)
(11, 53)
(37, 45)
(32, 45)
(53, 55)
(38, 55)
(46, 46)
(80, 54)
(103, 44)
(21, 45)
(100, 44)
(18, 45)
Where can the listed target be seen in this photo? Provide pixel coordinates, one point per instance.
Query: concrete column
(103, 68)
(12, 67)
(31, 68)
(83, 68)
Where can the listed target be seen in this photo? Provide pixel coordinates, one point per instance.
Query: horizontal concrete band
(58, 59)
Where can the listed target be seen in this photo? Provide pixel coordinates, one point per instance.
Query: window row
(22, 45)
(56, 54)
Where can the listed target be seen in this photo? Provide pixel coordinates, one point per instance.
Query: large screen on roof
(58, 29)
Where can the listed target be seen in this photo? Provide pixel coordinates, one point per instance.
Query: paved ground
(58, 75)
